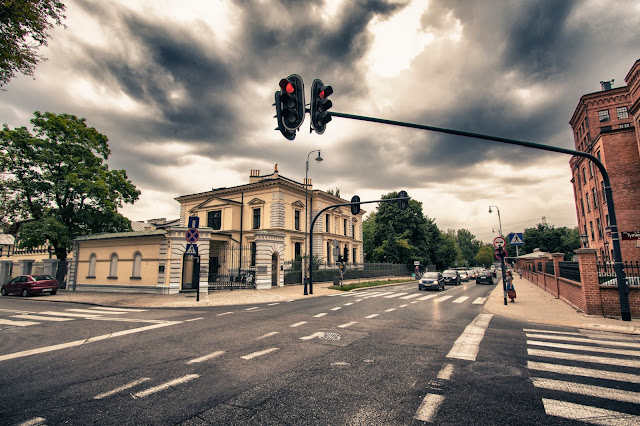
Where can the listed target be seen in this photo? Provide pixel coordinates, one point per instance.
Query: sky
(184, 92)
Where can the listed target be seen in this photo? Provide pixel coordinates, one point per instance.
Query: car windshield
(42, 277)
(449, 272)
(433, 275)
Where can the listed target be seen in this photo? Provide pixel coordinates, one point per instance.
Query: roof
(132, 234)
(7, 239)
(534, 255)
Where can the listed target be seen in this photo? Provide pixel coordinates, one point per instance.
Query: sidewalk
(536, 305)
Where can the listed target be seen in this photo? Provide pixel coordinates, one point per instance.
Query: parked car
(30, 284)
(484, 277)
(431, 280)
(472, 273)
(464, 275)
(451, 276)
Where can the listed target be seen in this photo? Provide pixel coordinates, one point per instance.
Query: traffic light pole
(386, 200)
(623, 288)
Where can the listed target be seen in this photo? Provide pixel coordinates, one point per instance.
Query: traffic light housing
(355, 208)
(403, 204)
(289, 103)
(320, 105)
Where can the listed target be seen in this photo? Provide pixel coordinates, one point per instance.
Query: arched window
(92, 266)
(137, 262)
(113, 266)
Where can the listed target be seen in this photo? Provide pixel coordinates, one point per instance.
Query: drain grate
(330, 336)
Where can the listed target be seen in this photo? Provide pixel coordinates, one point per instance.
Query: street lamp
(499, 220)
(306, 213)
(584, 239)
(494, 230)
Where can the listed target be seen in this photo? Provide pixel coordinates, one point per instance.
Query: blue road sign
(192, 249)
(515, 239)
(194, 222)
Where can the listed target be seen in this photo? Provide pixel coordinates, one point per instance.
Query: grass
(363, 284)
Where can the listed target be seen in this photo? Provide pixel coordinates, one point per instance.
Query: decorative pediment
(256, 201)
(298, 203)
(214, 202)
(337, 210)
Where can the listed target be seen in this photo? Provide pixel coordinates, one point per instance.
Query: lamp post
(306, 214)
(499, 220)
(584, 239)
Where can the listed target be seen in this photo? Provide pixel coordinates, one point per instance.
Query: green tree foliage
(448, 253)
(24, 26)
(335, 192)
(485, 255)
(469, 246)
(550, 239)
(58, 183)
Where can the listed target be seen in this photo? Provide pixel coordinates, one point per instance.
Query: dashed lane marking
(167, 385)
(41, 318)
(259, 353)
(320, 315)
(336, 308)
(96, 311)
(298, 324)
(194, 319)
(348, 324)
(205, 357)
(122, 388)
(34, 422)
(253, 308)
(17, 323)
(224, 313)
(273, 304)
(461, 299)
(468, 343)
(69, 314)
(347, 304)
(372, 316)
(273, 333)
(390, 310)
(429, 407)
(403, 306)
(313, 336)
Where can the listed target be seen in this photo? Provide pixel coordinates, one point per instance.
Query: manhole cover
(330, 336)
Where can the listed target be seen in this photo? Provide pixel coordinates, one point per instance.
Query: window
(599, 226)
(590, 168)
(296, 220)
(297, 250)
(578, 180)
(624, 125)
(354, 258)
(137, 263)
(328, 252)
(603, 115)
(345, 256)
(344, 226)
(353, 231)
(622, 112)
(598, 155)
(607, 220)
(605, 129)
(113, 266)
(582, 205)
(593, 235)
(584, 176)
(327, 221)
(256, 218)
(92, 266)
(214, 220)
(254, 251)
(595, 198)
(588, 205)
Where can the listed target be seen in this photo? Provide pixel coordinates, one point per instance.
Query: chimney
(606, 85)
(254, 176)
(275, 171)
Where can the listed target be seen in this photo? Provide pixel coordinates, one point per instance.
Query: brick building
(606, 124)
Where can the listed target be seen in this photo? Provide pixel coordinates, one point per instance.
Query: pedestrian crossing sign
(192, 249)
(516, 239)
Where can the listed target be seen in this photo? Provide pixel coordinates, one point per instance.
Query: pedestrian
(511, 291)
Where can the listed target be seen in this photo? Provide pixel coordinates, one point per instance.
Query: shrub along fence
(585, 284)
(325, 272)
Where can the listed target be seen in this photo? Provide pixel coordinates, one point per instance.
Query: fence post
(557, 258)
(589, 281)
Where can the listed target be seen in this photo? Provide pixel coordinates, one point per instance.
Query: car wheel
(3, 291)
(25, 293)
(53, 292)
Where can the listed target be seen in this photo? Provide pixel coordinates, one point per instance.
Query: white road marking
(461, 299)
(69, 314)
(121, 388)
(429, 407)
(440, 299)
(313, 336)
(349, 324)
(273, 333)
(251, 309)
(359, 300)
(411, 296)
(468, 343)
(583, 358)
(337, 308)
(587, 414)
(83, 341)
(17, 323)
(194, 319)
(347, 304)
(534, 330)
(372, 316)
(224, 313)
(584, 348)
(375, 294)
(205, 357)
(585, 372)
(95, 311)
(390, 310)
(320, 315)
(298, 324)
(479, 301)
(166, 385)
(427, 297)
(41, 318)
(446, 372)
(585, 340)
(403, 306)
(34, 422)
(259, 353)
(273, 304)
(394, 295)
(101, 308)
(587, 390)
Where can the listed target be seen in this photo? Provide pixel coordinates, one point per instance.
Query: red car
(30, 284)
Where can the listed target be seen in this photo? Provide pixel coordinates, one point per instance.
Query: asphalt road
(387, 355)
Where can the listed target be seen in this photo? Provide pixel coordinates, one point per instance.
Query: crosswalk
(400, 295)
(17, 318)
(589, 377)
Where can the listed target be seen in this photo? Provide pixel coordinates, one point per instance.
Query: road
(387, 355)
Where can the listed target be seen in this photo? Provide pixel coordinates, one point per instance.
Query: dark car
(484, 277)
(431, 280)
(451, 277)
(30, 284)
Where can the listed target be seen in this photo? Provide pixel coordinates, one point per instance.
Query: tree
(485, 255)
(24, 26)
(448, 251)
(468, 244)
(550, 239)
(335, 192)
(59, 184)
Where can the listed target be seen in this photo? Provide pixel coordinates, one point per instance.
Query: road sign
(192, 235)
(498, 242)
(500, 253)
(516, 239)
(335, 243)
(194, 222)
(192, 250)
(416, 262)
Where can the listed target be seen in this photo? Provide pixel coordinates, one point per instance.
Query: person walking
(511, 291)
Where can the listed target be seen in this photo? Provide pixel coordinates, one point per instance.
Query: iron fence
(230, 267)
(569, 270)
(607, 274)
(324, 272)
(549, 269)
(539, 266)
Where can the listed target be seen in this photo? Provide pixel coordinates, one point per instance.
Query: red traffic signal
(292, 102)
(320, 105)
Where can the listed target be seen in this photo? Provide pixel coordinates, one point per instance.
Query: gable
(298, 203)
(256, 201)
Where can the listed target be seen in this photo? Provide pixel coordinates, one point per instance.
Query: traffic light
(402, 204)
(289, 103)
(320, 105)
(355, 208)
